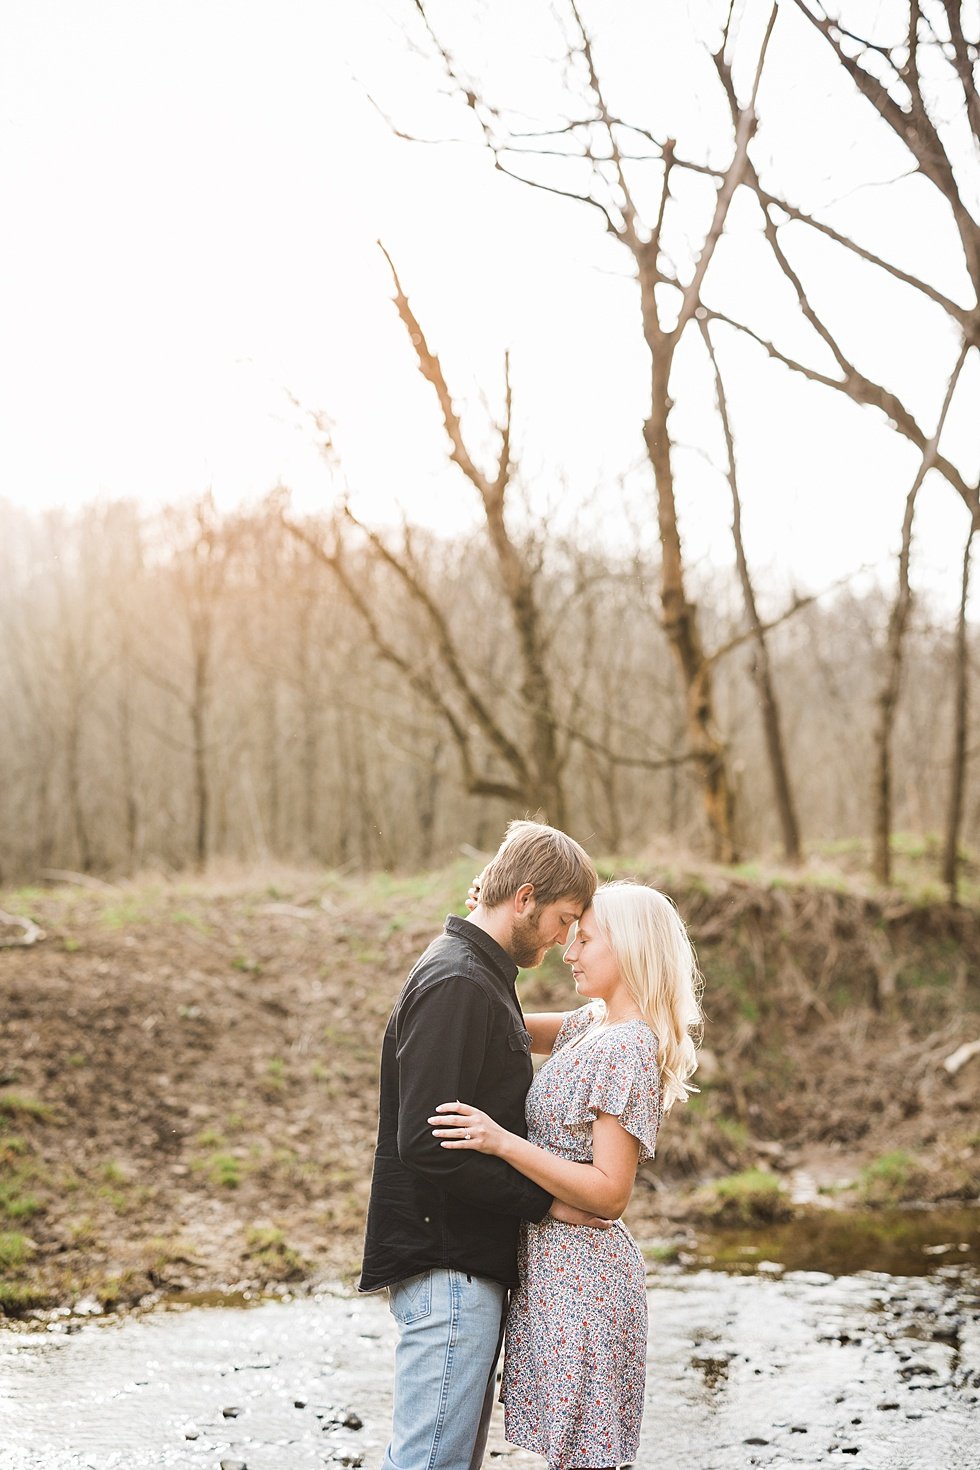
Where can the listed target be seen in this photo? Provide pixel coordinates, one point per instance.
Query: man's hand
(569, 1215)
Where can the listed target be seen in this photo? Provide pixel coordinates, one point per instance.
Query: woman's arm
(544, 1027)
(602, 1187)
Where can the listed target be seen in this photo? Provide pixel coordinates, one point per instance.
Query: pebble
(233, 1465)
(231, 1413)
(917, 1370)
(346, 1418)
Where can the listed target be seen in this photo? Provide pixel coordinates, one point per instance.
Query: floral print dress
(575, 1358)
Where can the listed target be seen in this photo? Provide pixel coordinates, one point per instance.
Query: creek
(754, 1365)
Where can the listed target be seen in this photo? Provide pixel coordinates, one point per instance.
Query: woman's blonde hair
(658, 963)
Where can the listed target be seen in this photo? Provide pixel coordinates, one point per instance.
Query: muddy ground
(188, 1069)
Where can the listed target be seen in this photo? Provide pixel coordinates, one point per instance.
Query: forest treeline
(186, 685)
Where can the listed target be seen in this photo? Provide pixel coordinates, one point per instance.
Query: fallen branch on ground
(961, 1056)
(31, 935)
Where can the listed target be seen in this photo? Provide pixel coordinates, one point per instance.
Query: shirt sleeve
(620, 1075)
(441, 1048)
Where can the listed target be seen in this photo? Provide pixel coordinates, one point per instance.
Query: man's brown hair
(550, 860)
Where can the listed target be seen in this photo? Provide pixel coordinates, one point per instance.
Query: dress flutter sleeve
(576, 1023)
(619, 1075)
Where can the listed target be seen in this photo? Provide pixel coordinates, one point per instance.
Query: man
(442, 1225)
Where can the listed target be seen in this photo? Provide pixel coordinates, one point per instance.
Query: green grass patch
(274, 1078)
(17, 1202)
(222, 1169)
(752, 1197)
(891, 1179)
(186, 919)
(736, 1132)
(17, 1297)
(124, 913)
(268, 1249)
(117, 1201)
(663, 1253)
(14, 1250)
(16, 1105)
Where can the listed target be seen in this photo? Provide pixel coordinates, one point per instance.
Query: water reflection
(903, 1242)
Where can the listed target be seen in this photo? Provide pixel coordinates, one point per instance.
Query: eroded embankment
(188, 1070)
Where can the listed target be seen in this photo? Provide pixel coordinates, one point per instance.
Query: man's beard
(526, 948)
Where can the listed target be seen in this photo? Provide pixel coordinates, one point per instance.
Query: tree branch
(862, 390)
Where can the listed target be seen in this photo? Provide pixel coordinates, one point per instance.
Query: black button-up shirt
(457, 1033)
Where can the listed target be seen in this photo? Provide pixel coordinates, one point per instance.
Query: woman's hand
(461, 1126)
(473, 894)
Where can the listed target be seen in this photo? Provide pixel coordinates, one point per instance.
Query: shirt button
(427, 1220)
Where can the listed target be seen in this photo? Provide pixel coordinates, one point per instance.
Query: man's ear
(524, 899)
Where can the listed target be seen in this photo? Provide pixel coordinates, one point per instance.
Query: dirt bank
(188, 1069)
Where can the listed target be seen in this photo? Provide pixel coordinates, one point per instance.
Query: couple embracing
(491, 1181)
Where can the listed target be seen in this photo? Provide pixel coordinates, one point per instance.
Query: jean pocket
(411, 1300)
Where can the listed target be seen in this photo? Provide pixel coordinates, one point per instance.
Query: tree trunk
(681, 627)
(128, 765)
(310, 742)
(761, 666)
(891, 679)
(535, 682)
(74, 782)
(961, 695)
(202, 795)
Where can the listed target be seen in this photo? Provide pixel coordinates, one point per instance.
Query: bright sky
(192, 192)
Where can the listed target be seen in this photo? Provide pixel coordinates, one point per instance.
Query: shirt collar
(495, 953)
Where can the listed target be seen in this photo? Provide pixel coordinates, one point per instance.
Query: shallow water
(905, 1241)
(796, 1369)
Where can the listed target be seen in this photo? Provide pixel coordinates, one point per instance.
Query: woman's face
(595, 968)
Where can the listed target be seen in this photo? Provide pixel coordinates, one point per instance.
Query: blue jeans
(450, 1327)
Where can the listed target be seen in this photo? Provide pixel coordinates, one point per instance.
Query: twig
(31, 935)
(80, 880)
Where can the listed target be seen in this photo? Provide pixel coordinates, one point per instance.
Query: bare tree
(761, 662)
(540, 772)
(594, 135)
(888, 692)
(920, 77)
(202, 547)
(957, 782)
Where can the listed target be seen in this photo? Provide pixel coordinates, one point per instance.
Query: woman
(575, 1357)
